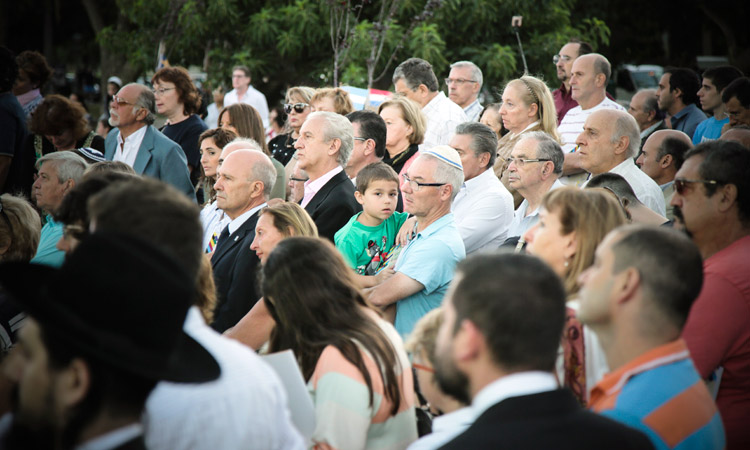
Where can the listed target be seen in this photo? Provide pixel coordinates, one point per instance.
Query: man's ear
(334, 147)
(73, 382)
(666, 161)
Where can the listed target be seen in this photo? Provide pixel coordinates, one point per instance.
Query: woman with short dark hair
(178, 99)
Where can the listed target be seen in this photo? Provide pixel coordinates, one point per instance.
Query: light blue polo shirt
(47, 252)
(431, 259)
(709, 130)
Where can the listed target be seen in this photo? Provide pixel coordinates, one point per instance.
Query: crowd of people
(553, 270)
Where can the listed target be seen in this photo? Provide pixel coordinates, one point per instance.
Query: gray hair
(652, 102)
(445, 173)
(476, 72)
(147, 101)
(416, 71)
(248, 144)
(483, 139)
(602, 65)
(265, 172)
(337, 127)
(546, 148)
(69, 165)
(625, 125)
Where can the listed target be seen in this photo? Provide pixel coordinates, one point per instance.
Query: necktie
(223, 237)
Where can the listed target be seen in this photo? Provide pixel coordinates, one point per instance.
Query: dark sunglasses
(298, 107)
(680, 184)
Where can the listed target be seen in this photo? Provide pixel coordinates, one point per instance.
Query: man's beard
(114, 119)
(450, 380)
(37, 431)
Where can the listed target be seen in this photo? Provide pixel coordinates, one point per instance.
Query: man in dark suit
(137, 143)
(644, 107)
(323, 148)
(497, 346)
(244, 183)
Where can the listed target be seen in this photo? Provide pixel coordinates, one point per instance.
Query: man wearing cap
(141, 146)
(425, 266)
(83, 373)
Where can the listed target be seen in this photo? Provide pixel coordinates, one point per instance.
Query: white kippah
(115, 80)
(446, 154)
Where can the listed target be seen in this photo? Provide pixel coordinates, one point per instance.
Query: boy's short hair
(374, 172)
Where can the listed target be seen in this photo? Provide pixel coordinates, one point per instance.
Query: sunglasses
(681, 184)
(120, 101)
(297, 107)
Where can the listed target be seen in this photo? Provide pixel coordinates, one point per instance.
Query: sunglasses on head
(298, 107)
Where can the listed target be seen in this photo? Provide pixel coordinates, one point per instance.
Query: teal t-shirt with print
(367, 249)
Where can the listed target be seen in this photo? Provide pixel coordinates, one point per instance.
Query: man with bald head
(661, 158)
(608, 143)
(243, 186)
(740, 134)
(141, 146)
(644, 108)
(588, 83)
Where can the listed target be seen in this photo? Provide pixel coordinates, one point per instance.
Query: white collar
(513, 385)
(242, 218)
(114, 438)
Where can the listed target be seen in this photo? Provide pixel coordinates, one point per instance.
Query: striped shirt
(344, 417)
(661, 394)
(443, 116)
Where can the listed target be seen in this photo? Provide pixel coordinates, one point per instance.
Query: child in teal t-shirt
(367, 241)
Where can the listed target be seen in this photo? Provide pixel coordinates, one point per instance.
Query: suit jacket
(333, 205)
(235, 268)
(547, 420)
(158, 157)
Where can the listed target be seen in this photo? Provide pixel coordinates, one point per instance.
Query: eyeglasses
(416, 185)
(424, 368)
(519, 162)
(680, 184)
(5, 217)
(458, 81)
(556, 59)
(298, 107)
(729, 115)
(161, 91)
(360, 139)
(121, 102)
(298, 179)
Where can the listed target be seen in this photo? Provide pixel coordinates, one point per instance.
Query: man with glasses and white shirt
(464, 83)
(244, 92)
(535, 164)
(138, 144)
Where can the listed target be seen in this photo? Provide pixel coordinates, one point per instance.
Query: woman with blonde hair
(572, 223)
(335, 100)
(276, 222)
(297, 107)
(527, 105)
(405, 129)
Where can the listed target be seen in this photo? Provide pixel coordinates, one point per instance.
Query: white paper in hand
(298, 398)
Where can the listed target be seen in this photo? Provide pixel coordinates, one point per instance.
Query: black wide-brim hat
(120, 300)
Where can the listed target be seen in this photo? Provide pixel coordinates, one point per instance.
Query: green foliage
(288, 42)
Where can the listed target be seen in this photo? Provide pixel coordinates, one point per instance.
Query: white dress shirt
(242, 218)
(443, 116)
(521, 220)
(129, 151)
(645, 188)
(246, 407)
(252, 97)
(444, 429)
(473, 111)
(483, 209)
(513, 385)
(312, 187)
(213, 220)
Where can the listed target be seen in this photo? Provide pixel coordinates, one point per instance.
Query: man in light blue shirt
(57, 174)
(425, 267)
(677, 95)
